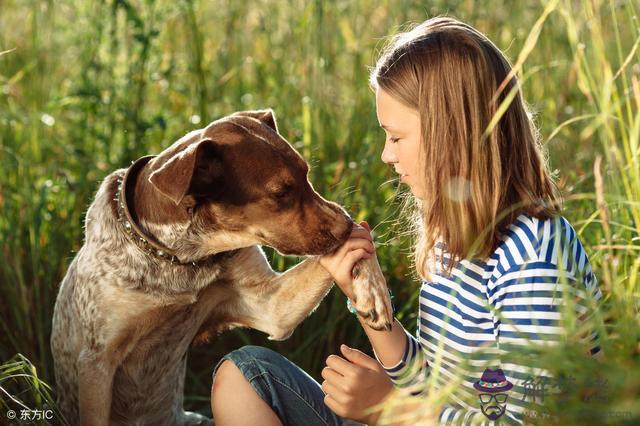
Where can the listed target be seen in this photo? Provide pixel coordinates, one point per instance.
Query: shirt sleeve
(527, 301)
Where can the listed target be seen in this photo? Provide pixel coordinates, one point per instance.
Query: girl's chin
(415, 191)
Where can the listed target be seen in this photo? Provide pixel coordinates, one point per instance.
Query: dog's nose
(344, 232)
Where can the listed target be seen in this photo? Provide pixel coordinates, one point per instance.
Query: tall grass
(25, 396)
(86, 87)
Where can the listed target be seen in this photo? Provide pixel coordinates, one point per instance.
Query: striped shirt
(468, 320)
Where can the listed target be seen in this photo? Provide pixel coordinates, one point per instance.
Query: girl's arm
(398, 352)
(389, 347)
(357, 383)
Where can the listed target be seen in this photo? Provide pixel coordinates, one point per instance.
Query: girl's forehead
(393, 114)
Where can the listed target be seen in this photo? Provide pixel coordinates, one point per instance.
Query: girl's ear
(191, 171)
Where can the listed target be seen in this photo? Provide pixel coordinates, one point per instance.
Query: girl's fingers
(360, 358)
(360, 232)
(343, 270)
(339, 255)
(336, 393)
(341, 365)
(359, 243)
(354, 256)
(333, 405)
(331, 375)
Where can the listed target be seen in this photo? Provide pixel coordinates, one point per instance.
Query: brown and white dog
(172, 255)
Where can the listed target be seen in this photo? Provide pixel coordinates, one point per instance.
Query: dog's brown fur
(124, 319)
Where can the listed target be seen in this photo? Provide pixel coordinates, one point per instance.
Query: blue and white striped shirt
(468, 320)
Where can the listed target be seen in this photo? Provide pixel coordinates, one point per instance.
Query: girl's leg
(287, 394)
(234, 402)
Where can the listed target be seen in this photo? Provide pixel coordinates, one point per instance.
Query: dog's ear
(195, 171)
(264, 115)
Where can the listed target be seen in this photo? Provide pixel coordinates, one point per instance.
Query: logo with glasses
(493, 398)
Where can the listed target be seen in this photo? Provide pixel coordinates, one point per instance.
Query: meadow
(87, 87)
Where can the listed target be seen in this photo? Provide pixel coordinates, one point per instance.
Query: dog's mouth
(313, 241)
(318, 245)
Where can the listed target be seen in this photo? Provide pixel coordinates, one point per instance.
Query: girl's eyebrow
(392, 129)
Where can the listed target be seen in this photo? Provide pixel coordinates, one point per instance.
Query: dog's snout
(342, 233)
(345, 235)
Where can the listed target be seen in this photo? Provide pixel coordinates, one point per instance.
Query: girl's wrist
(353, 310)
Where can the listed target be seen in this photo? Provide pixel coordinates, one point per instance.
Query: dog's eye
(282, 193)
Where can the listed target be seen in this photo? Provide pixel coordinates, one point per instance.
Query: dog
(172, 255)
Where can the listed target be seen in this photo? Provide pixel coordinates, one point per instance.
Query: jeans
(295, 397)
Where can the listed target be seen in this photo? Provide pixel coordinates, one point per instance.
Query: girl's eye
(394, 140)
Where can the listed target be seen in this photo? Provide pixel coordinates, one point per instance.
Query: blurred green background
(87, 87)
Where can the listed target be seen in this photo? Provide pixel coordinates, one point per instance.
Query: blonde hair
(477, 179)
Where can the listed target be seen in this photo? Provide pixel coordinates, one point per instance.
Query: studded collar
(143, 240)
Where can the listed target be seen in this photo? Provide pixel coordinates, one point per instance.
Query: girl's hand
(353, 384)
(340, 263)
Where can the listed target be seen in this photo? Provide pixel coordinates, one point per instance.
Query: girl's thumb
(358, 357)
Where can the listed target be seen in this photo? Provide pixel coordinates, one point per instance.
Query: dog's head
(243, 184)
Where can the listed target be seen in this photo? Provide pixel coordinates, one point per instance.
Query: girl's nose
(388, 156)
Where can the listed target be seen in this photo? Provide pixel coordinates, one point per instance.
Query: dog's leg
(123, 318)
(370, 295)
(276, 303)
(94, 388)
(297, 293)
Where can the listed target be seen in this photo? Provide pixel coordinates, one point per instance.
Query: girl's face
(402, 145)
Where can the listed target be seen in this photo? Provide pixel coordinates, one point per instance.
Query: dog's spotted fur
(123, 320)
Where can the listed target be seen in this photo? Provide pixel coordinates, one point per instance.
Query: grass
(24, 395)
(86, 87)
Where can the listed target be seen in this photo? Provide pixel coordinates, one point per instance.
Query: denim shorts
(295, 397)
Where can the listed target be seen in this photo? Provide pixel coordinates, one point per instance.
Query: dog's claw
(374, 315)
(364, 315)
(355, 271)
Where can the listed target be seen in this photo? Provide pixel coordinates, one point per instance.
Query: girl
(491, 248)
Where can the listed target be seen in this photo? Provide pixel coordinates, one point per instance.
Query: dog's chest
(161, 335)
(167, 334)
(149, 376)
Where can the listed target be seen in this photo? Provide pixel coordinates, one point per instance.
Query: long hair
(479, 175)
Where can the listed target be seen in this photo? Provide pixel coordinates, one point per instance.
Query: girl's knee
(226, 375)
(226, 378)
(240, 366)
(233, 398)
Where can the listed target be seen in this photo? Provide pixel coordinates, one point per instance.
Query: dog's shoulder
(103, 209)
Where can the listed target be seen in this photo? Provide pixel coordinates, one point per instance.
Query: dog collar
(144, 241)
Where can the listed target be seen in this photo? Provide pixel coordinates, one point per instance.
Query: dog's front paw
(371, 296)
